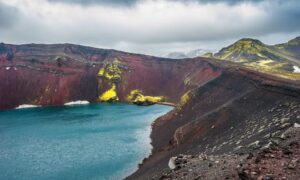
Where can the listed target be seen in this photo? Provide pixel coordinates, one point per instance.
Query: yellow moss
(263, 63)
(151, 99)
(110, 73)
(101, 72)
(273, 68)
(136, 96)
(133, 94)
(109, 95)
(184, 99)
(111, 70)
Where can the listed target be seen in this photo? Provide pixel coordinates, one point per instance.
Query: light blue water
(100, 141)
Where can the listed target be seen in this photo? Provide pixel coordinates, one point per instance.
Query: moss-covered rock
(184, 99)
(136, 97)
(109, 95)
(111, 71)
(109, 76)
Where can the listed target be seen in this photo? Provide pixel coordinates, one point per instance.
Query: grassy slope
(278, 60)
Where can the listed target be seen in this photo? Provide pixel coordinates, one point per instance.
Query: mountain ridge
(280, 59)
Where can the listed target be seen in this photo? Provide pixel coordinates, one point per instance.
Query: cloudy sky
(148, 26)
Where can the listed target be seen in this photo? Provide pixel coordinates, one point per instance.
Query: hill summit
(246, 50)
(281, 59)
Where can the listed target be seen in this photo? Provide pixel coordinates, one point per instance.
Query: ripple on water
(101, 141)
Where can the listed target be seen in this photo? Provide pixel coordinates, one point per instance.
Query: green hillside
(279, 59)
(291, 48)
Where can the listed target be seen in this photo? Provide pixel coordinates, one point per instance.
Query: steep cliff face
(56, 74)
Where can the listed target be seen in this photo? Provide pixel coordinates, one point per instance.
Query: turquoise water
(100, 141)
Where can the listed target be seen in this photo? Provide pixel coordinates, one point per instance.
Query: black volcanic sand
(230, 116)
(276, 161)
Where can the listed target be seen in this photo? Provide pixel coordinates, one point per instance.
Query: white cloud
(147, 23)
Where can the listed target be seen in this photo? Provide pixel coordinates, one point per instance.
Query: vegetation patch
(110, 74)
(184, 99)
(109, 95)
(136, 97)
(111, 71)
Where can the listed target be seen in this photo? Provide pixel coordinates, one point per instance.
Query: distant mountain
(291, 48)
(175, 55)
(246, 50)
(197, 53)
(188, 54)
(252, 52)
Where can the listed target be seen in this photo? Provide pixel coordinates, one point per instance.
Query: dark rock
(243, 175)
(286, 151)
(250, 156)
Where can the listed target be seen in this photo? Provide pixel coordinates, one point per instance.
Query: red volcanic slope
(56, 74)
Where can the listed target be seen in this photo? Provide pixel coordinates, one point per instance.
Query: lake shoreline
(125, 128)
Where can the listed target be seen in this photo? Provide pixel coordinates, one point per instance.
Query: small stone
(253, 173)
(291, 166)
(250, 156)
(267, 136)
(260, 178)
(296, 125)
(286, 151)
(178, 167)
(283, 136)
(276, 141)
(165, 176)
(171, 163)
(254, 145)
(285, 125)
(238, 147)
(242, 174)
(294, 161)
(267, 146)
(269, 177)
